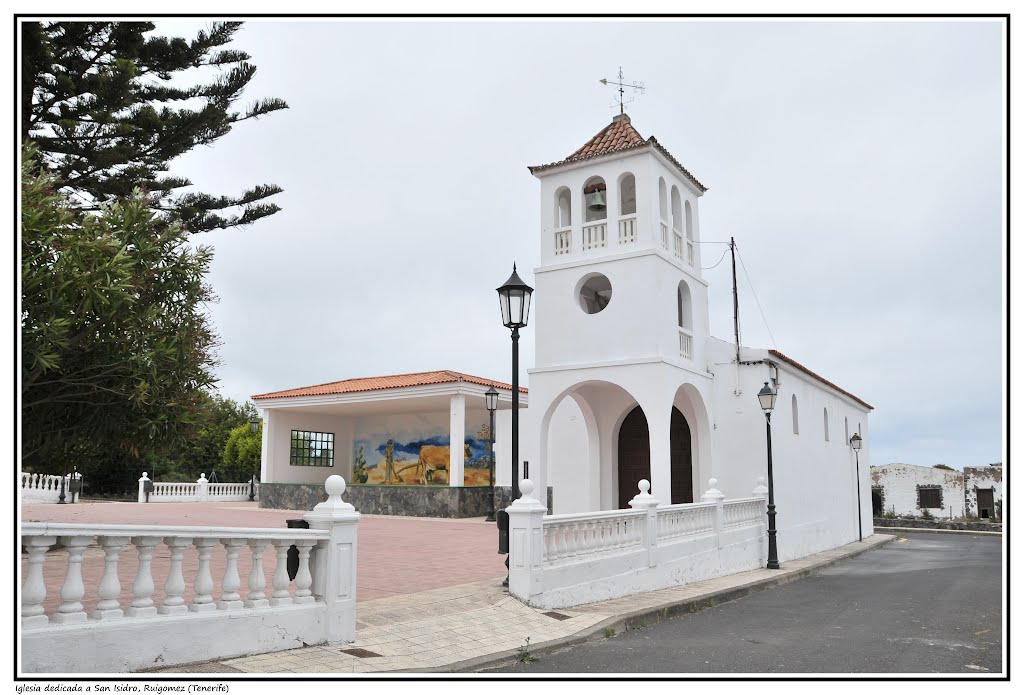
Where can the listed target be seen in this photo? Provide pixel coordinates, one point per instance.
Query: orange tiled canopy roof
(619, 136)
(394, 381)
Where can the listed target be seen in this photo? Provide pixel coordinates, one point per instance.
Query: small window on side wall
(825, 411)
(311, 448)
(796, 416)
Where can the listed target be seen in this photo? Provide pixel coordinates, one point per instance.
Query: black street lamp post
(514, 297)
(491, 400)
(766, 396)
(254, 427)
(856, 442)
(61, 498)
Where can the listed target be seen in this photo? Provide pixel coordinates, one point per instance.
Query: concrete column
(526, 544)
(659, 420)
(202, 489)
(268, 428)
(457, 445)
(334, 569)
(713, 494)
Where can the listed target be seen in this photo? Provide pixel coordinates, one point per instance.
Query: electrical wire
(719, 261)
(742, 265)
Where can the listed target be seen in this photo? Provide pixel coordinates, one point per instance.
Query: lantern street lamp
(856, 442)
(254, 427)
(514, 297)
(491, 400)
(766, 396)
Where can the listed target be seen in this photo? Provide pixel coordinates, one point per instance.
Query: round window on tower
(595, 292)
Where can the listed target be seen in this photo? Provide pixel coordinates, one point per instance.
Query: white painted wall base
(120, 646)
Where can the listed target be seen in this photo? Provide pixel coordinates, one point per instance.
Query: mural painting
(406, 459)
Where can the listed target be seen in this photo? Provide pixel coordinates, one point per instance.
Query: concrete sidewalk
(474, 625)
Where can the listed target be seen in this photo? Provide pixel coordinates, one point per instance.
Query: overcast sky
(858, 164)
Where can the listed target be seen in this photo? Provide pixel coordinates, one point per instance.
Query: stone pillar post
(715, 495)
(202, 488)
(142, 487)
(457, 443)
(645, 501)
(526, 544)
(335, 566)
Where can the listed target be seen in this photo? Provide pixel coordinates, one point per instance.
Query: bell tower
(620, 278)
(621, 383)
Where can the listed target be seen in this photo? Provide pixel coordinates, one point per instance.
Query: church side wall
(985, 478)
(815, 480)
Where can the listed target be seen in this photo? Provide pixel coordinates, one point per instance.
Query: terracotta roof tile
(378, 383)
(820, 378)
(618, 136)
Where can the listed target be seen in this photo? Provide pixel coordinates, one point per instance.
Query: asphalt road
(927, 603)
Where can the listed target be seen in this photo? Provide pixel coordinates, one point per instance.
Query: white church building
(627, 384)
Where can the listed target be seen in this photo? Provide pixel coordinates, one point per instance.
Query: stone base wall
(935, 523)
(393, 500)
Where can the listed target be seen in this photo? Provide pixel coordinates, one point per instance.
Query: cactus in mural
(359, 472)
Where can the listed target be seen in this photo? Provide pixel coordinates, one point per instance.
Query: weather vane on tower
(635, 86)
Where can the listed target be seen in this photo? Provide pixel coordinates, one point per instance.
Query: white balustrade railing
(595, 236)
(664, 236)
(37, 487)
(569, 559)
(677, 244)
(200, 491)
(742, 512)
(194, 615)
(627, 229)
(144, 542)
(580, 535)
(563, 242)
(685, 344)
(681, 520)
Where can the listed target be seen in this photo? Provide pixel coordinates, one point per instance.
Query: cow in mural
(435, 458)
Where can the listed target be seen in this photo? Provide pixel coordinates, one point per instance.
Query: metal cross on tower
(635, 86)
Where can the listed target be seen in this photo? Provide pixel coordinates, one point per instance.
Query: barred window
(929, 498)
(312, 448)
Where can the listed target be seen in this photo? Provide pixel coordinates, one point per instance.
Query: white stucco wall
(900, 481)
(277, 426)
(986, 478)
(815, 480)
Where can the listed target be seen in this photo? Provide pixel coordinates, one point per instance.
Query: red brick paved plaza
(396, 555)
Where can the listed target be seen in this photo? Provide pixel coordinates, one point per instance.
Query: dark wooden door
(986, 506)
(634, 455)
(682, 459)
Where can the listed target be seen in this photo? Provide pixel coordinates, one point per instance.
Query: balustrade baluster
(33, 591)
(303, 577)
(174, 586)
(230, 599)
(279, 596)
(72, 591)
(109, 607)
(142, 588)
(257, 581)
(202, 601)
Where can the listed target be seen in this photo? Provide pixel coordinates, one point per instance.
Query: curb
(649, 616)
(911, 529)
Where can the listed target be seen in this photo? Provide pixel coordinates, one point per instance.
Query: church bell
(596, 201)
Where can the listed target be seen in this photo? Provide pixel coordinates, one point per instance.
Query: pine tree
(98, 103)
